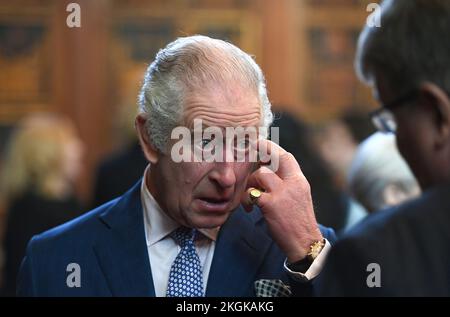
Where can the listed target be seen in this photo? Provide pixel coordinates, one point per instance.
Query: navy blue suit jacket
(409, 244)
(109, 246)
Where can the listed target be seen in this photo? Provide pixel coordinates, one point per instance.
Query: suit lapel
(239, 252)
(123, 257)
(122, 252)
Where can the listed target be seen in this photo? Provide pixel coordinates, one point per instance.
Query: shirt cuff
(314, 269)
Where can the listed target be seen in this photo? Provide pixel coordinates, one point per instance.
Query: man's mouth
(214, 203)
(215, 200)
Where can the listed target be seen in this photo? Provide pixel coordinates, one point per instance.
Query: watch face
(316, 247)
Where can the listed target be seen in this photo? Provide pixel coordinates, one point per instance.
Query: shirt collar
(157, 223)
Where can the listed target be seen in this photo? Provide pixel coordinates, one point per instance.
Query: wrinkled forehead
(222, 106)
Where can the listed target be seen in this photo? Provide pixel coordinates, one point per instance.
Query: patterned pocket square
(271, 288)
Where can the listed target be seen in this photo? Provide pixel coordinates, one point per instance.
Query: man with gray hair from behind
(378, 176)
(404, 251)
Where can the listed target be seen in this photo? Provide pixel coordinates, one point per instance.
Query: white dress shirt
(162, 249)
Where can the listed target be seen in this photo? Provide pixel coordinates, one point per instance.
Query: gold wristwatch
(314, 249)
(303, 265)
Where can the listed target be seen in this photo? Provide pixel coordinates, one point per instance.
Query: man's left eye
(242, 144)
(205, 142)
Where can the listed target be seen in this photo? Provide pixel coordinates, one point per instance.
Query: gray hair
(411, 46)
(192, 63)
(377, 164)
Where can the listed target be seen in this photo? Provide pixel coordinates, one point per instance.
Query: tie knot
(183, 235)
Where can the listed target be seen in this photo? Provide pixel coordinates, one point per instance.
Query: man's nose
(223, 174)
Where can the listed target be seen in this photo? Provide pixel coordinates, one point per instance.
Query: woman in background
(42, 163)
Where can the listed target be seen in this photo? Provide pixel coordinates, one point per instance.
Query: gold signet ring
(254, 194)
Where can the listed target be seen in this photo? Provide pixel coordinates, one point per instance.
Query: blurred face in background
(336, 146)
(44, 156)
(73, 153)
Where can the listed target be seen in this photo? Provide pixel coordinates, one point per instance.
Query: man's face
(203, 194)
(413, 134)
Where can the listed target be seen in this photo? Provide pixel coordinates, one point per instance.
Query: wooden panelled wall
(305, 48)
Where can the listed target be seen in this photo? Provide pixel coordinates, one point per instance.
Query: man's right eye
(205, 142)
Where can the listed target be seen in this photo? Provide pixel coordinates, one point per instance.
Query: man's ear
(150, 152)
(393, 195)
(437, 99)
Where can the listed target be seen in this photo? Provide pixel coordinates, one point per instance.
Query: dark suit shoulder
(50, 255)
(81, 243)
(426, 215)
(77, 230)
(409, 243)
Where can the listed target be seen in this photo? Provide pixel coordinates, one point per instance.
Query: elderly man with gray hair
(212, 215)
(404, 251)
(378, 176)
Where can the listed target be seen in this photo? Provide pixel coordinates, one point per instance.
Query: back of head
(376, 166)
(189, 64)
(410, 46)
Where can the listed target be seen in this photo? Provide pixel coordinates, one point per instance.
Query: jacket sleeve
(329, 234)
(25, 280)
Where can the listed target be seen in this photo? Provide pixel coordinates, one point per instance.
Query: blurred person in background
(379, 177)
(404, 251)
(330, 202)
(41, 164)
(117, 172)
(358, 123)
(336, 144)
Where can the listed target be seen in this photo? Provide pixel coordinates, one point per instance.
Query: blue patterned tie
(186, 277)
